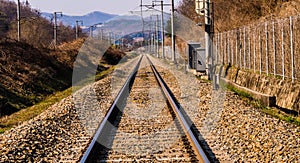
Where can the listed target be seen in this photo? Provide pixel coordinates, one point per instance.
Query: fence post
(254, 49)
(232, 47)
(218, 48)
(267, 50)
(236, 48)
(260, 52)
(244, 47)
(282, 50)
(221, 45)
(240, 48)
(274, 47)
(228, 48)
(292, 48)
(225, 48)
(249, 50)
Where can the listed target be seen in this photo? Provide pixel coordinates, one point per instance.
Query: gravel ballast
(234, 130)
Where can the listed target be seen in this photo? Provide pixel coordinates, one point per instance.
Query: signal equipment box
(197, 57)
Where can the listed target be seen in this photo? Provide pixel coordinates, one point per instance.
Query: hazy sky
(81, 7)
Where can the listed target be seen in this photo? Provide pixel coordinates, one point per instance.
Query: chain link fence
(271, 47)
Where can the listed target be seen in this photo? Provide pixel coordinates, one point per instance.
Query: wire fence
(271, 47)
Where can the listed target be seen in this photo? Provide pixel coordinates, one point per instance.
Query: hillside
(231, 14)
(29, 74)
(247, 12)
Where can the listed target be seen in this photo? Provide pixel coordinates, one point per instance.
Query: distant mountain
(88, 19)
(125, 17)
(130, 23)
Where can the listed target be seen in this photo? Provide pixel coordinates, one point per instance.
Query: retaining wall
(287, 93)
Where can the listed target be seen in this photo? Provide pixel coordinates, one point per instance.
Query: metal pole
(244, 46)
(77, 32)
(254, 51)
(274, 46)
(232, 48)
(156, 29)
(218, 48)
(55, 29)
(143, 26)
(240, 42)
(292, 48)
(76, 29)
(282, 51)
(260, 53)
(249, 48)
(267, 50)
(19, 19)
(173, 32)
(225, 48)
(222, 46)
(228, 44)
(151, 34)
(102, 34)
(109, 36)
(91, 31)
(162, 29)
(236, 49)
(207, 38)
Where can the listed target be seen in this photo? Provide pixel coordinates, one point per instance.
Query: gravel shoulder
(59, 134)
(234, 130)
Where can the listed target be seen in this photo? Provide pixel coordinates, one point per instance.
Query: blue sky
(81, 7)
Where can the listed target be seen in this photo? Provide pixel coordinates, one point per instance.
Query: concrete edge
(265, 99)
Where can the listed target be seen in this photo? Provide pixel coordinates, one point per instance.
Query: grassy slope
(28, 113)
(28, 75)
(48, 74)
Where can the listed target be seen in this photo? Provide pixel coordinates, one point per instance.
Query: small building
(197, 57)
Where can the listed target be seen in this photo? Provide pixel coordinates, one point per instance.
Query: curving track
(144, 124)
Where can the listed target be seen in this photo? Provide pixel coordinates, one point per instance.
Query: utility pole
(55, 26)
(162, 29)
(91, 30)
(157, 37)
(19, 20)
(102, 34)
(162, 20)
(143, 27)
(115, 38)
(77, 21)
(150, 34)
(207, 38)
(173, 32)
(203, 8)
(109, 35)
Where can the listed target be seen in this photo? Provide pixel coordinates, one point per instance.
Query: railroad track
(144, 124)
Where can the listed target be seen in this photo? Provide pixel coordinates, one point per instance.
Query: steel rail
(184, 122)
(105, 122)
